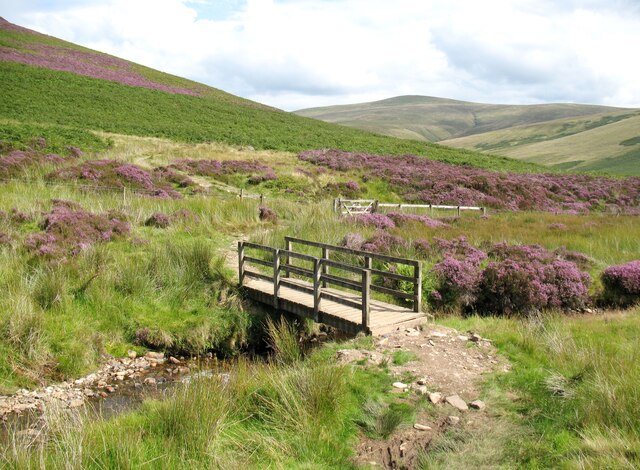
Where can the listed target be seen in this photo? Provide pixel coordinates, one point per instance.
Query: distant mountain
(47, 81)
(570, 136)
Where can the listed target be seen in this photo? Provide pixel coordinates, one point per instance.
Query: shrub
(457, 283)
(384, 242)
(429, 181)
(400, 219)
(267, 215)
(113, 175)
(5, 239)
(158, 220)
(524, 286)
(622, 284)
(379, 221)
(353, 241)
(67, 230)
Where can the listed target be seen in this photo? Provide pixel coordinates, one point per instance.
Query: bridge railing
(321, 277)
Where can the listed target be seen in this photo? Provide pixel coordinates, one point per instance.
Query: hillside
(591, 134)
(48, 81)
(606, 142)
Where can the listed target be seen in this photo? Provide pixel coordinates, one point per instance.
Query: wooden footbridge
(334, 287)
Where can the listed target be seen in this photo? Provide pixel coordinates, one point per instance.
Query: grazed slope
(161, 105)
(607, 142)
(436, 119)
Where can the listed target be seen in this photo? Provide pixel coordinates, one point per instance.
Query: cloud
(303, 53)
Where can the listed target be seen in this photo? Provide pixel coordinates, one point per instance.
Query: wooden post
(484, 211)
(375, 206)
(417, 288)
(367, 262)
(287, 259)
(458, 211)
(317, 293)
(276, 277)
(366, 294)
(241, 262)
(335, 205)
(431, 210)
(325, 267)
(261, 199)
(124, 195)
(241, 193)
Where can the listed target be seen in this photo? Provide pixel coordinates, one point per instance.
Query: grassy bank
(285, 413)
(569, 401)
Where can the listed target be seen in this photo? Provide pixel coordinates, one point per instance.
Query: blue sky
(302, 53)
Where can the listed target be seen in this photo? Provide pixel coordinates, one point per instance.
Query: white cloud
(294, 54)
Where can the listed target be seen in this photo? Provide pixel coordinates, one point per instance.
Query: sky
(296, 54)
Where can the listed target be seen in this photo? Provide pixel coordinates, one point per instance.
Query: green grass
(303, 414)
(42, 96)
(19, 136)
(576, 382)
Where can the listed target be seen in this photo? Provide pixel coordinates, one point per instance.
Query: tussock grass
(262, 415)
(577, 379)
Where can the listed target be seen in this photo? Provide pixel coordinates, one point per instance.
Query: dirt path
(444, 364)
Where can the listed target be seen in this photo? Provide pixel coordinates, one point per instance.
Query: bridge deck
(296, 296)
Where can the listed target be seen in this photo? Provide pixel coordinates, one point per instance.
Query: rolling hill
(45, 81)
(570, 136)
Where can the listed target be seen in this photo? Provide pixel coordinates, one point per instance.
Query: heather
(158, 220)
(112, 174)
(622, 284)
(81, 62)
(422, 180)
(67, 230)
(17, 163)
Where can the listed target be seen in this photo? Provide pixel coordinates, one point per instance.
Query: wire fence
(227, 192)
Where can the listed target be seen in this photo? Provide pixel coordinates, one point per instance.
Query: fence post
(339, 206)
(417, 287)
(431, 210)
(276, 277)
(241, 262)
(458, 211)
(325, 267)
(366, 294)
(317, 293)
(367, 262)
(287, 258)
(375, 206)
(261, 199)
(484, 211)
(241, 193)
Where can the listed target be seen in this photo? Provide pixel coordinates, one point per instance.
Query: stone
(453, 420)
(149, 381)
(132, 354)
(76, 403)
(110, 389)
(421, 427)
(463, 338)
(475, 337)
(477, 405)
(173, 360)
(400, 385)
(154, 355)
(422, 390)
(437, 334)
(412, 332)
(457, 402)
(435, 397)
(422, 381)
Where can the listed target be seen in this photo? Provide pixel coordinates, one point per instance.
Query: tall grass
(260, 415)
(577, 382)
